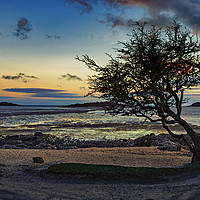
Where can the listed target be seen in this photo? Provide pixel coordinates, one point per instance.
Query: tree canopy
(150, 75)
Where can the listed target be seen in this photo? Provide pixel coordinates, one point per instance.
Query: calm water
(81, 123)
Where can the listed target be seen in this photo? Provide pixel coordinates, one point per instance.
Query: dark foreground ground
(29, 185)
(20, 180)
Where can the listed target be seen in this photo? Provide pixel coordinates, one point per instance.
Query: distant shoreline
(107, 104)
(82, 105)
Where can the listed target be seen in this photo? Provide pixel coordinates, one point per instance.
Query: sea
(83, 123)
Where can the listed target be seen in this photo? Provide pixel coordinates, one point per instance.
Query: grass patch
(111, 171)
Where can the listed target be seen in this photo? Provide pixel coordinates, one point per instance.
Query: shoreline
(146, 151)
(38, 140)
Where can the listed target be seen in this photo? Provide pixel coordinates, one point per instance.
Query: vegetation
(149, 77)
(111, 171)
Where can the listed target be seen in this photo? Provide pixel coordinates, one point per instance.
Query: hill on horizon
(8, 104)
(196, 104)
(95, 104)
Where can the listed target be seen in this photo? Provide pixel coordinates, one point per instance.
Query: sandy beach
(19, 180)
(126, 156)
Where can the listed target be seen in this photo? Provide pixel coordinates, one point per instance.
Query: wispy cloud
(44, 93)
(48, 36)
(21, 76)
(70, 77)
(6, 97)
(115, 21)
(83, 4)
(159, 11)
(23, 28)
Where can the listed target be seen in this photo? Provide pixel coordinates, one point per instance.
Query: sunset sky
(40, 40)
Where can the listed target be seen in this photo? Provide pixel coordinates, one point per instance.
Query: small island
(196, 104)
(8, 104)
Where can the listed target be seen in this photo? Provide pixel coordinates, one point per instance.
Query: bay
(83, 123)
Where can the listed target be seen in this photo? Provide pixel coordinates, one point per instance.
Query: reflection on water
(81, 123)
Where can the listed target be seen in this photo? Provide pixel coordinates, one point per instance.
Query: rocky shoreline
(39, 140)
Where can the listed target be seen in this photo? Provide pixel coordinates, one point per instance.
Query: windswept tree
(149, 76)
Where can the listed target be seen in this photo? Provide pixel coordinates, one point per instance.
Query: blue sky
(40, 39)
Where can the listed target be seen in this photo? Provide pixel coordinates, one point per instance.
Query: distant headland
(8, 104)
(196, 104)
(95, 104)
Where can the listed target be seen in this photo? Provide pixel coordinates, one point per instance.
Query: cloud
(43, 93)
(83, 4)
(48, 36)
(70, 77)
(6, 97)
(21, 76)
(159, 11)
(23, 28)
(115, 21)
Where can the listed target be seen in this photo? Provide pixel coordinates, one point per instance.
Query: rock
(71, 147)
(9, 146)
(51, 147)
(27, 143)
(13, 142)
(38, 134)
(2, 142)
(38, 160)
(123, 144)
(147, 140)
(170, 146)
(167, 148)
(47, 141)
(26, 138)
(22, 145)
(162, 138)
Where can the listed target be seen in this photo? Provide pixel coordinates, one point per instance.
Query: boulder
(170, 146)
(22, 145)
(147, 140)
(38, 134)
(38, 160)
(9, 146)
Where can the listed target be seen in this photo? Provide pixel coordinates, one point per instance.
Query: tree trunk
(195, 140)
